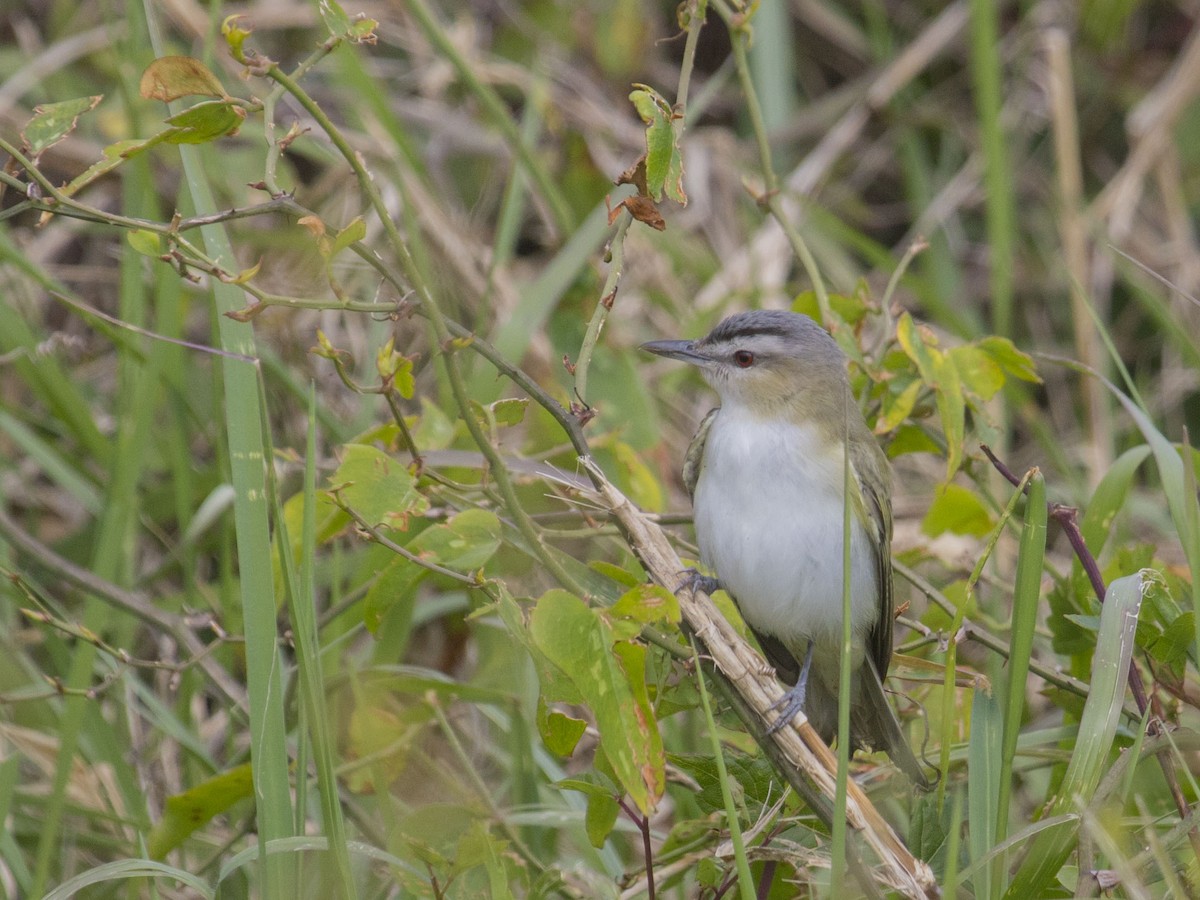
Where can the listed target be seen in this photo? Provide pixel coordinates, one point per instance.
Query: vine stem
(440, 327)
(739, 31)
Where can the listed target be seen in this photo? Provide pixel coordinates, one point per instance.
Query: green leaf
(1009, 358)
(664, 162)
(393, 585)
(610, 677)
(510, 411)
(911, 438)
(465, 542)
(647, 603)
(52, 122)
(377, 487)
(1109, 497)
(186, 812)
(601, 816)
(147, 243)
(621, 576)
(203, 122)
(171, 77)
(560, 732)
(638, 479)
(1170, 648)
(978, 371)
(351, 234)
(958, 510)
(335, 17)
(942, 375)
(897, 407)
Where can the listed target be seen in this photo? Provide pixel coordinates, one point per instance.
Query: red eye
(744, 358)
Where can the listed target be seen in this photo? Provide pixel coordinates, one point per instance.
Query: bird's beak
(684, 351)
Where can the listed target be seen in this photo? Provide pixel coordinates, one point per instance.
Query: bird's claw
(791, 703)
(694, 581)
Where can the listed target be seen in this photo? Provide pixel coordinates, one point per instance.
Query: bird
(765, 474)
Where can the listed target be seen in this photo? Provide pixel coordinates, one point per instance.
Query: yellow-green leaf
(957, 510)
(147, 243)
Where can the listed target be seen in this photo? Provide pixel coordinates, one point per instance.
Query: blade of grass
(1097, 729)
(745, 880)
(1026, 593)
(301, 597)
(983, 793)
(244, 418)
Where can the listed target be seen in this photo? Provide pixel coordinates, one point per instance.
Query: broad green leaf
(1009, 358)
(510, 411)
(978, 371)
(467, 541)
(601, 817)
(377, 487)
(560, 732)
(203, 122)
(171, 77)
(52, 122)
(1170, 648)
(647, 603)
(911, 438)
(196, 807)
(612, 682)
(958, 510)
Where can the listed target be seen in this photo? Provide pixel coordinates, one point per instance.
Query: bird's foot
(693, 580)
(793, 701)
(790, 703)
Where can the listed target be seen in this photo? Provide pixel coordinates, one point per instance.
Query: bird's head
(768, 362)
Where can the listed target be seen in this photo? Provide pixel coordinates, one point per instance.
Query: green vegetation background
(285, 368)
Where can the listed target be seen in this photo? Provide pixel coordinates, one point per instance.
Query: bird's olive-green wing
(874, 477)
(694, 458)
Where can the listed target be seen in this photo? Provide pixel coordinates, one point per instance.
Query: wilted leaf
(664, 162)
(171, 77)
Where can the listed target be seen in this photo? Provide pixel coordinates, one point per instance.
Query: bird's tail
(882, 729)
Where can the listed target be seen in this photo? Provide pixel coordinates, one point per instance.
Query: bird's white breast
(768, 514)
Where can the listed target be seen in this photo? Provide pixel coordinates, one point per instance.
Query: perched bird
(765, 472)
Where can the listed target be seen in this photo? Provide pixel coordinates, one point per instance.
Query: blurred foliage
(450, 228)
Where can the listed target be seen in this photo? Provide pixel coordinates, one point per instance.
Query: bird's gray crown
(795, 333)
